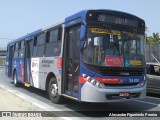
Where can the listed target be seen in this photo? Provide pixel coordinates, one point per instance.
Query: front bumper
(90, 93)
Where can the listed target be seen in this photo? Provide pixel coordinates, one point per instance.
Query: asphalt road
(75, 110)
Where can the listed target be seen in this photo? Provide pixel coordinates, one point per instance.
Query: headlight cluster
(143, 82)
(93, 81)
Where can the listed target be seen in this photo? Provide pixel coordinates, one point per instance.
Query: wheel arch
(49, 76)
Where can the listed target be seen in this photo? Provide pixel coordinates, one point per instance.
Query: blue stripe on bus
(76, 18)
(84, 70)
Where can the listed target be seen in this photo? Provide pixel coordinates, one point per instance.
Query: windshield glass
(113, 48)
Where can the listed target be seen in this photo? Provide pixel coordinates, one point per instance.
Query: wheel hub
(54, 90)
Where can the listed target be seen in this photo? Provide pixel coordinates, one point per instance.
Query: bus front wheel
(53, 91)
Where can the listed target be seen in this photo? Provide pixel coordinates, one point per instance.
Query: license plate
(124, 94)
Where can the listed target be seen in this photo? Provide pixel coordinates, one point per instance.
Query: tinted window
(35, 49)
(55, 34)
(21, 53)
(40, 51)
(22, 45)
(53, 49)
(155, 70)
(30, 49)
(41, 39)
(15, 54)
(49, 50)
(39, 45)
(17, 46)
(53, 46)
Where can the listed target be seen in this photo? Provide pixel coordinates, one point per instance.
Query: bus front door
(72, 55)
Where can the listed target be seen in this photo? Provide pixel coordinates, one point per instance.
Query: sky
(19, 17)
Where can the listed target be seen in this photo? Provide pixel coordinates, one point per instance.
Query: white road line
(2, 86)
(35, 102)
(40, 106)
(148, 103)
(47, 107)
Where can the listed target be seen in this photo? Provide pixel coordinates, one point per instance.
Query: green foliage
(154, 39)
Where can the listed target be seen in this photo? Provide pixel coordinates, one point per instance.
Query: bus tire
(53, 91)
(15, 82)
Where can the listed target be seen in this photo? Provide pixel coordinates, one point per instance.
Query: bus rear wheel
(53, 91)
(16, 83)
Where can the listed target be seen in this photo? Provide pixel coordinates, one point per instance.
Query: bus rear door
(27, 62)
(10, 60)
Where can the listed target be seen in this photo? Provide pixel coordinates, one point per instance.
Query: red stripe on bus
(22, 72)
(82, 80)
(108, 80)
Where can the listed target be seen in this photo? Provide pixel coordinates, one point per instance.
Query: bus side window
(53, 46)
(16, 52)
(30, 49)
(35, 47)
(41, 44)
(21, 51)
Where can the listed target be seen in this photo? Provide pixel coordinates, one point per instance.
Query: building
(152, 52)
(2, 55)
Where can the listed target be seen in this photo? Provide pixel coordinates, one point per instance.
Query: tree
(154, 39)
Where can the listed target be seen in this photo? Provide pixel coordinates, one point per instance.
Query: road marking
(36, 102)
(47, 107)
(148, 103)
(2, 86)
(40, 106)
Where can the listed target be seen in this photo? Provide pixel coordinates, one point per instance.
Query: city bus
(92, 56)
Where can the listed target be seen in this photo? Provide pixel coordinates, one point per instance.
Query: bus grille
(120, 73)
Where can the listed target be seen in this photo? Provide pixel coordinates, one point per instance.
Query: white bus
(91, 56)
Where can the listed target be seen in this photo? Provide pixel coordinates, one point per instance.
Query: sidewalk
(10, 102)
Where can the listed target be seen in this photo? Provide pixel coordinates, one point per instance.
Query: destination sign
(117, 20)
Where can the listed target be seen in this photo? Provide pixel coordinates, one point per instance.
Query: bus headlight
(100, 85)
(93, 81)
(89, 79)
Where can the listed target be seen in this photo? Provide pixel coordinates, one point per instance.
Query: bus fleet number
(132, 80)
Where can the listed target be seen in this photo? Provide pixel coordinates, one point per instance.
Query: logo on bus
(34, 64)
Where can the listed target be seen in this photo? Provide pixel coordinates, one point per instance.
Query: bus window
(35, 47)
(41, 44)
(53, 35)
(40, 51)
(53, 46)
(41, 39)
(21, 51)
(17, 46)
(16, 53)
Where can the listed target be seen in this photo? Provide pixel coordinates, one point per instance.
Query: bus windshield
(105, 47)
